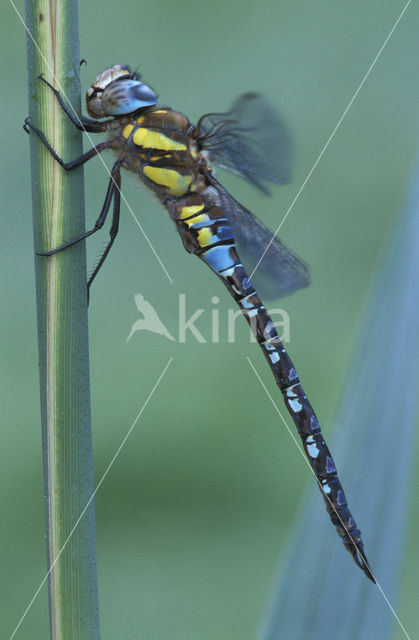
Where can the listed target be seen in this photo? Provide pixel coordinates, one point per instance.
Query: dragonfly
(175, 159)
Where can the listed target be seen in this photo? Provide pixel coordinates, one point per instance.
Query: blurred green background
(197, 509)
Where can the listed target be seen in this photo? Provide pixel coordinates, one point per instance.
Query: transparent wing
(250, 140)
(280, 271)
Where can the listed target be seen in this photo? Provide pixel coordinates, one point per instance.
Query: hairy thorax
(160, 147)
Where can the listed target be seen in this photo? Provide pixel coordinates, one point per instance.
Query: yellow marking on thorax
(127, 131)
(186, 212)
(176, 183)
(155, 140)
(140, 120)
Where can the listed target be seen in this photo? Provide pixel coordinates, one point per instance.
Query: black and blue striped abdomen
(205, 232)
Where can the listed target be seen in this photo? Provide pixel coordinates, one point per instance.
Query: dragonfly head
(116, 92)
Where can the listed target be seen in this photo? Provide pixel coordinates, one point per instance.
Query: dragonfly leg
(116, 193)
(68, 166)
(82, 123)
(113, 187)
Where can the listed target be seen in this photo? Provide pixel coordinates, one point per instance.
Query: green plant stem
(58, 215)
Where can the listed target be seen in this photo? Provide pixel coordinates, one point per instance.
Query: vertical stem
(58, 215)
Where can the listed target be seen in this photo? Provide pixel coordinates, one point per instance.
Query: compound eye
(121, 98)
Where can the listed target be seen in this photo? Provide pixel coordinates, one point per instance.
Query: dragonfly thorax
(158, 145)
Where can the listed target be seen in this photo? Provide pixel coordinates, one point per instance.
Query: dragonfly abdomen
(305, 419)
(202, 226)
(206, 233)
